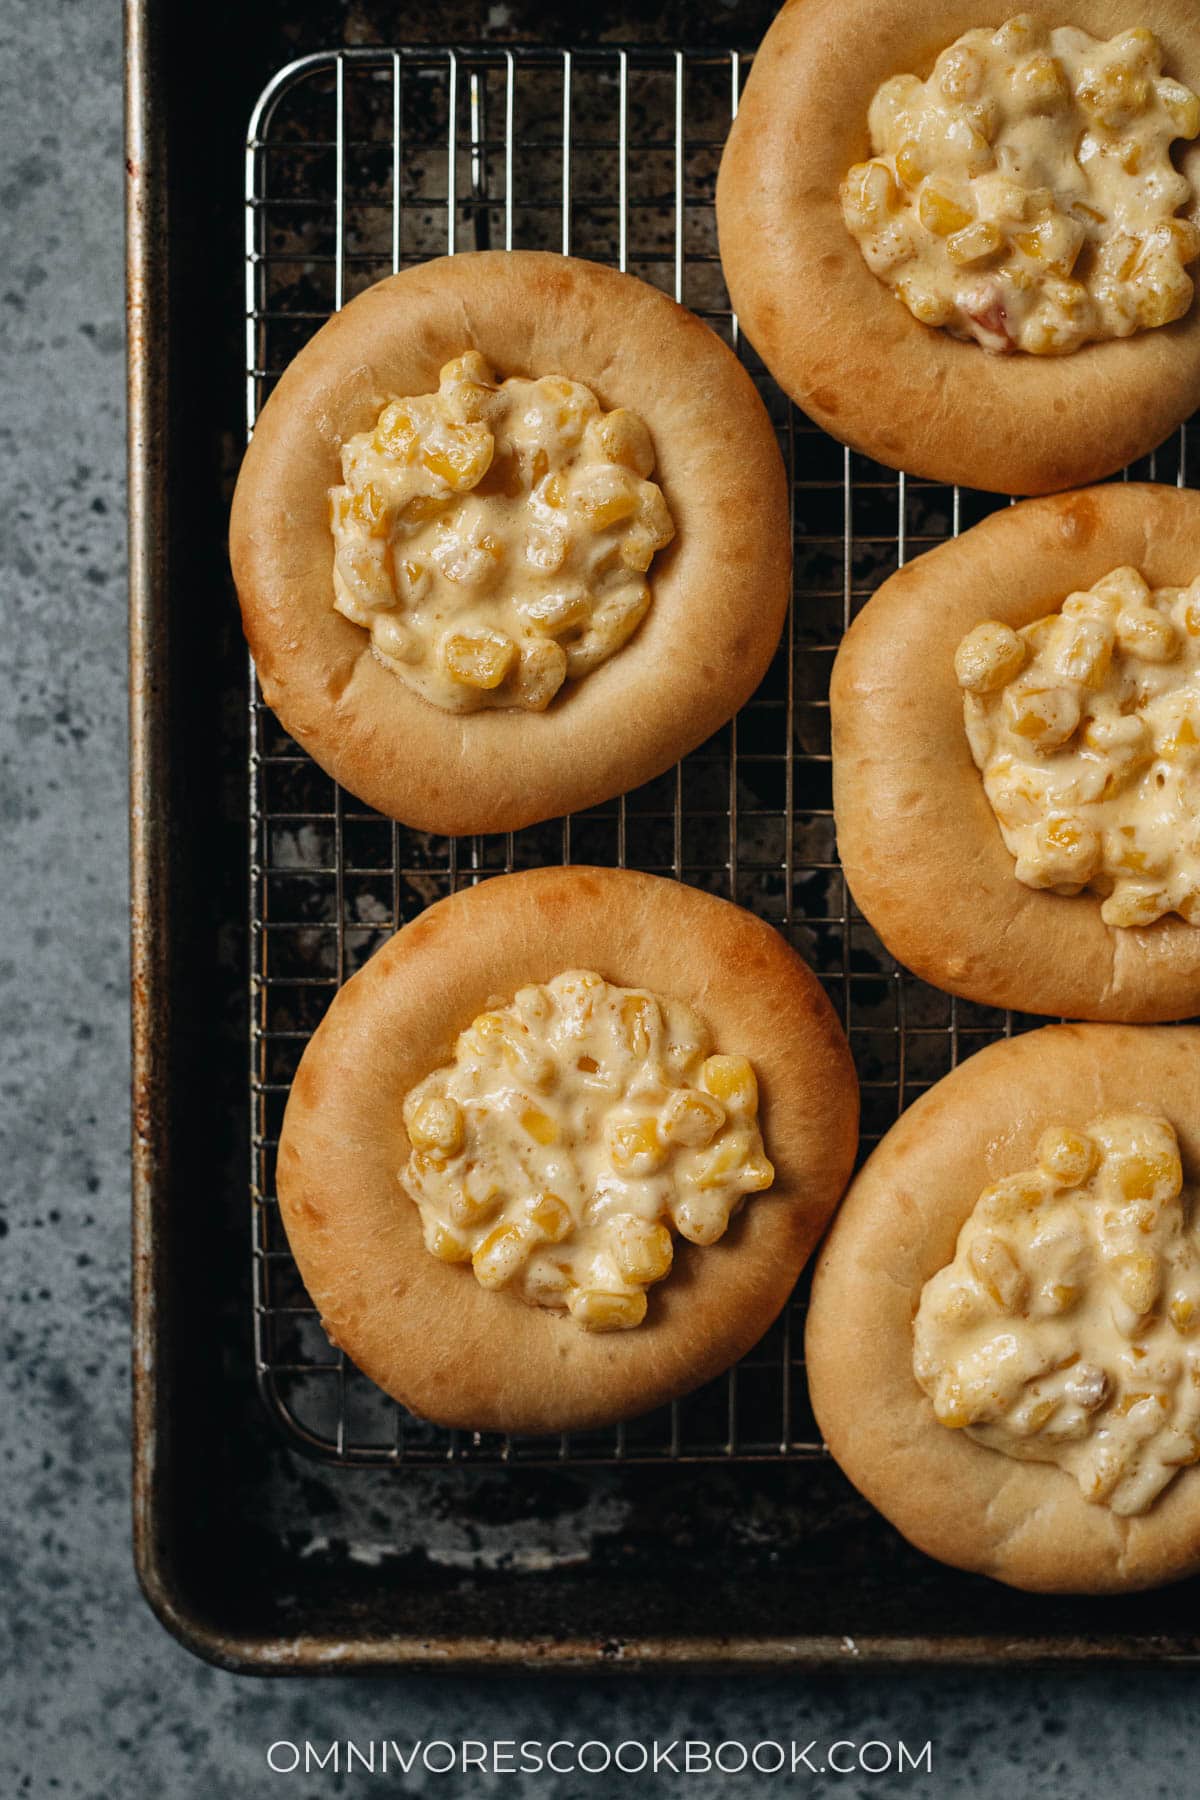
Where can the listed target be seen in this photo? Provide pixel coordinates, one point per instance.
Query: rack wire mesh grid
(362, 162)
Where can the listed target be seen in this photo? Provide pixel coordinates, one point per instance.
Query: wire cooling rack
(362, 162)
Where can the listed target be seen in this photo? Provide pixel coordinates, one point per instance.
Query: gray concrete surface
(96, 1699)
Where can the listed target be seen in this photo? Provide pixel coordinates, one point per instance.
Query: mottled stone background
(97, 1700)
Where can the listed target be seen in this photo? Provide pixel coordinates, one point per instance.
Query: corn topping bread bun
(510, 538)
(559, 1151)
(1016, 757)
(1003, 1342)
(965, 244)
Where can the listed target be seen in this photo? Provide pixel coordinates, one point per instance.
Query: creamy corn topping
(576, 1129)
(494, 538)
(1086, 728)
(1064, 1330)
(1024, 195)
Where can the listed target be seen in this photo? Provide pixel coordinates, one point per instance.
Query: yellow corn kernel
(555, 491)
(539, 1125)
(692, 1118)
(1041, 1414)
(869, 197)
(500, 1255)
(498, 1034)
(925, 304)
(436, 1126)
(950, 1407)
(637, 1018)
(597, 1311)
(1055, 244)
(720, 1162)
(1063, 1295)
(1041, 82)
(988, 658)
(1151, 1177)
(1133, 907)
(416, 574)
(1161, 302)
(756, 1175)
(395, 433)
(910, 164)
(1046, 717)
(1182, 1313)
(446, 1245)
(1136, 1279)
(1181, 106)
(473, 1202)
(423, 507)
(941, 215)
(701, 1218)
(998, 1272)
(958, 1308)
(491, 1028)
(471, 366)
(975, 243)
(479, 659)
(621, 437)
(732, 1081)
(635, 1146)
(637, 550)
(462, 456)
(959, 72)
(1138, 47)
(1113, 95)
(1185, 236)
(557, 612)
(550, 1217)
(1087, 655)
(653, 514)
(1067, 1156)
(1125, 1405)
(542, 672)
(1181, 741)
(1063, 834)
(1011, 1197)
(602, 509)
(642, 1250)
(368, 508)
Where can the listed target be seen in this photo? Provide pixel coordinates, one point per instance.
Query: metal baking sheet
(279, 1537)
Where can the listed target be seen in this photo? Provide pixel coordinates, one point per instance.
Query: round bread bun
(426, 1331)
(720, 589)
(834, 335)
(917, 836)
(1025, 1523)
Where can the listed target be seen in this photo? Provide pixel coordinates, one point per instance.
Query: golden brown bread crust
(917, 836)
(720, 589)
(833, 334)
(1023, 1523)
(426, 1331)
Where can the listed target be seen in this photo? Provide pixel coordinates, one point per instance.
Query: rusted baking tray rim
(157, 891)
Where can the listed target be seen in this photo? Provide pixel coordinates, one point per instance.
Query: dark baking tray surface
(272, 1549)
